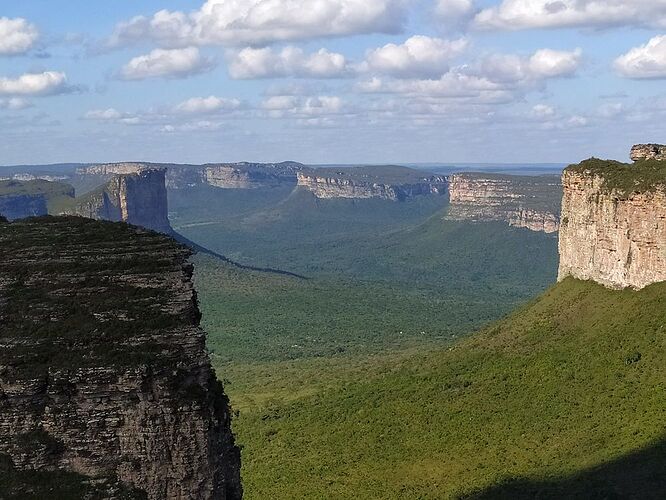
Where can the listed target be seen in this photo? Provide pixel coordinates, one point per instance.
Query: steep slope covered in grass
(554, 399)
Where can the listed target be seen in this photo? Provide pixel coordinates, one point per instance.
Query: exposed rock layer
(138, 198)
(648, 152)
(614, 237)
(103, 367)
(530, 202)
(330, 187)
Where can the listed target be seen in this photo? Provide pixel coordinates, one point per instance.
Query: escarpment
(387, 183)
(614, 223)
(648, 152)
(138, 198)
(250, 175)
(521, 201)
(19, 199)
(104, 376)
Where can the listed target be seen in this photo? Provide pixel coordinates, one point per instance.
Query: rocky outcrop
(611, 233)
(342, 186)
(521, 201)
(109, 169)
(19, 199)
(648, 152)
(249, 176)
(103, 368)
(138, 198)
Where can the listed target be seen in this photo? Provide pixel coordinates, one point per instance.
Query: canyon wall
(330, 187)
(521, 201)
(103, 368)
(614, 223)
(249, 175)
(138, 198)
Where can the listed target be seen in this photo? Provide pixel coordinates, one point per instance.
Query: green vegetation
(522, 407)
(623, 178)
(35, 187)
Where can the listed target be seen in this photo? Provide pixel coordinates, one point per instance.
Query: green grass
(642, 176)
(557, 388)
(385, 174)
(35, 187)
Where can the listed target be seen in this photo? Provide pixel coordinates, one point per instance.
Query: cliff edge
(614, 223)
(104, 375)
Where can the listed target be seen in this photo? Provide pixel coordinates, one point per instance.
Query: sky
(330, 81)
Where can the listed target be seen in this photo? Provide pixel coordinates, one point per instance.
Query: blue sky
(330, 81)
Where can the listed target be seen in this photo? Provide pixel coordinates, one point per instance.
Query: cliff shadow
(638, 475)
(198, 248)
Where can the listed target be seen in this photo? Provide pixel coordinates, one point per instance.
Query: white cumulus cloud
(37, 84)
(419, 56)
(166, 63)
(17, 36)
(646, 61)
(207, 105)
(243, 22)
(290, 61)
(15, 103)
(527, 14)
(542, 65)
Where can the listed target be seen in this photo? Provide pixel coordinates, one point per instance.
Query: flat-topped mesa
(614, 223)
(104, 374)
(250, 175)
(19, 199)
(139, 198)
(387, 183)
(648, 152)
(121, 168)
(532, 202)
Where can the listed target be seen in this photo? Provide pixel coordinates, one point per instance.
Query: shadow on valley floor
(198, 248)
(639, 475)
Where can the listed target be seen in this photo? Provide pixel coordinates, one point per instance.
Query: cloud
(15, 103)
(161, 63)
(543, 111)
(17, 36)
(252, 22)
(36, 84)
(112, 115)
(290, 61)
(543, 64)
(418, 57)
(207, 105)
(527, 14)
(303, 107)
(646, 61)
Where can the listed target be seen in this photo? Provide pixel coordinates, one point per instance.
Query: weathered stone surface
(138, 198)
(103, 367)
(330, 187)
(613, 237)
(522, 201)
(648, 152)
(249, 176)
(122, 168)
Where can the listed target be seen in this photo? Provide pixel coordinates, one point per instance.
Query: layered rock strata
(613, 224)
(104, 373)
(330, 187)
(139, 198)
(648, 152)
(521, 201)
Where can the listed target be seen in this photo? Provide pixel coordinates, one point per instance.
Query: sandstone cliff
(250, 175)
(19, 199)
(104, 376)
(614, 223)
(388, 183)
(138, 198)
(648, 152)
(521, 201)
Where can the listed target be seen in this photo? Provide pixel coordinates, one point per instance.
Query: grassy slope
(641, 176)
(556, 388)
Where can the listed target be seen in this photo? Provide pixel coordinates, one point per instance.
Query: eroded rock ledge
(614, 223)
(103, 367)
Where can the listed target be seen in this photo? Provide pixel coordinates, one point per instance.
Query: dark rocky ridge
(103, 367)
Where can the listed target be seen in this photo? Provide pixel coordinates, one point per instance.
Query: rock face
(138, 198)
(610, 234)
(250, 175)
(19, 199)
(123, 168)
(348, 183)
(522, 201)
(103, 367)
(648, 152)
